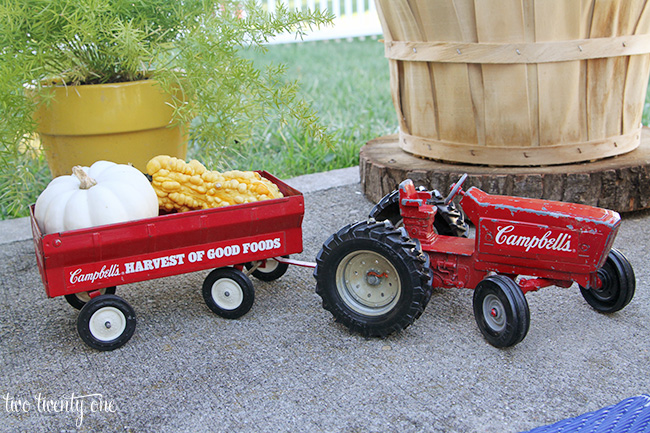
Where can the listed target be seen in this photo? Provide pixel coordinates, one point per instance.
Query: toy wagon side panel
(81, 260)
(176, 261)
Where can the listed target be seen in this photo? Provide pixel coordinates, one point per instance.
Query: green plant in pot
(58, 55)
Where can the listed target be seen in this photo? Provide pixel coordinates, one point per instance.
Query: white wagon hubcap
(227, 294)
(85, 297)
(107, 323)
(269, 266)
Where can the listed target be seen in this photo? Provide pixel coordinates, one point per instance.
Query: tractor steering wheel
(457, 186)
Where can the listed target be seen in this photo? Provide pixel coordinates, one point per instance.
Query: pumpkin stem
(86, 182)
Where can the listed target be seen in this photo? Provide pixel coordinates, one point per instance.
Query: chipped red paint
(560, 243)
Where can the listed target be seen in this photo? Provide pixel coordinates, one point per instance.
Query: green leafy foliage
(192, 47)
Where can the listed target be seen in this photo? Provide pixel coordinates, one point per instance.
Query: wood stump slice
(620, 183)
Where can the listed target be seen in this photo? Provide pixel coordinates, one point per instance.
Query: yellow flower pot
(126, 123)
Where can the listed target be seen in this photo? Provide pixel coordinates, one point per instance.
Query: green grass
(347, 83)
(646, 108)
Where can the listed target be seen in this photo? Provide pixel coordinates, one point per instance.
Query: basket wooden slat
(451, 81)
(637, 78)
(416, 80)
(506, 85)
(560, 105)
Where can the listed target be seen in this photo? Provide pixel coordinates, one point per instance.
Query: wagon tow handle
(300, 263)
(454, 190)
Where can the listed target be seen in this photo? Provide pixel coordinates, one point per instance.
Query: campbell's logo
(548, 241)
(78, 276)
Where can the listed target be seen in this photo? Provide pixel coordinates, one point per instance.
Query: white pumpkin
(104, 193)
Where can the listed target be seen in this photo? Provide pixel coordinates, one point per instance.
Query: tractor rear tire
(449, 220)
(618, 284)
(373, 278)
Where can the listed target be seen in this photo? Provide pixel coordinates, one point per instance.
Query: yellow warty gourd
(185, 186)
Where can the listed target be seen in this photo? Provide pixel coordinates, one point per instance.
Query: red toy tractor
(376, 276)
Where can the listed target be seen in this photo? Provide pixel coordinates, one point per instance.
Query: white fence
(353, 18)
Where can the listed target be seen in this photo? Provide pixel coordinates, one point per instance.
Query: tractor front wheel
(501, 311)
(617, 287)
(373, 278)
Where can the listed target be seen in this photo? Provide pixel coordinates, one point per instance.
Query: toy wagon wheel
(269, 270)
(618, 284)
(373, 279)
(106, 322)
(501, 311)
(78, 300)
(228, 292)
(449, 220)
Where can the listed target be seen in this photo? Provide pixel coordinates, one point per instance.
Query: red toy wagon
(85, 265)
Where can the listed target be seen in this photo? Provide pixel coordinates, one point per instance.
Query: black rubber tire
(78, 300)
(449, 220)
(388, 209)
(501, 311)
(402, 276)
(106, 322)
(273, 271)
(228, 292)
(618, 284)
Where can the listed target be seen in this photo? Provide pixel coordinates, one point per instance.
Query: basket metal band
(536, 52)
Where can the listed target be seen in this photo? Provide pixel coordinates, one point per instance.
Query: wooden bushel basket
(517, 82)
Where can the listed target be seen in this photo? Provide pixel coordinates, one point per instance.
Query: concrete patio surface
(286, 366)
